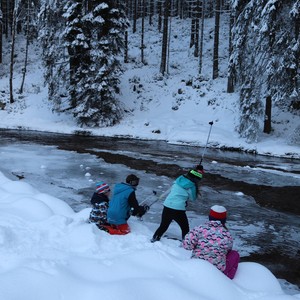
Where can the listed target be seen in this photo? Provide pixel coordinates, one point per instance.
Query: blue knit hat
(102, 187)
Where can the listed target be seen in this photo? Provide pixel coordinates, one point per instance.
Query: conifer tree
(265, 47)
(77, 37)
(106, 24)
(51, 26)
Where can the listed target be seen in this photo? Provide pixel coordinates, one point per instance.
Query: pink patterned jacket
(211, 242)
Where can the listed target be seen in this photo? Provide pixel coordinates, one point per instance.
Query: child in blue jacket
(123, 204)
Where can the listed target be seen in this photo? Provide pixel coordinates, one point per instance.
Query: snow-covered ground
(50, 252)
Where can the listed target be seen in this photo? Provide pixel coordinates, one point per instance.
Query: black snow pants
(168, 215)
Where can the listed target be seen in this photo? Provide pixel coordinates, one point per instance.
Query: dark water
(261, 194)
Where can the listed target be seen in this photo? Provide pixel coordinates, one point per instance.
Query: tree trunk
(216, 40)
(165, 38)
(11, 73)
(126, 48)
(169, 43)
(5, 15)
(197, 15)
(142, 33)
(181, 9)
(25, 65)
(151, 12)
(26, 50)
(134, 16)
(193, 26)
(201, 37)
(196, 49)
(1, 28)
(159, 9)
(230, 79)
(268, 113)
(73, 66)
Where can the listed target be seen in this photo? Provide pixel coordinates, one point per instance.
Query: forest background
(85, 46)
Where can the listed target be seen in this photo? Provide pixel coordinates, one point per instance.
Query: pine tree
(51, 25)
(284, 63)
(250, 112)
(77, 40)
(265, 47)
(105, 25)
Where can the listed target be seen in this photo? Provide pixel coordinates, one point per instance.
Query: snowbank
(50, 252)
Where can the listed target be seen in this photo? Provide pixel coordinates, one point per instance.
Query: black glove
(146, 207)
(142, 210)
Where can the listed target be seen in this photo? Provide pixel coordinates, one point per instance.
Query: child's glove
(142, 210)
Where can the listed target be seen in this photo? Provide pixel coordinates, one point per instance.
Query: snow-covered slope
(176, 107)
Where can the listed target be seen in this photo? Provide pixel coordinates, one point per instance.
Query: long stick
(211, 124)
(160, 197)
(157, 199)
(154, 193)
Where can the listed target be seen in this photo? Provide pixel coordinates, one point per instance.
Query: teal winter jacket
(119, 209)
(182, 190)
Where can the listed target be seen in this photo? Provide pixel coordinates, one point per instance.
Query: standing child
(184, 189)
(213, 242)
(99, 202)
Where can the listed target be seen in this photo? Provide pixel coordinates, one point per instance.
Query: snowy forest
(84, 48)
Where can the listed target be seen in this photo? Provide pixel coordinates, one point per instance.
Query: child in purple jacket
(213, 242)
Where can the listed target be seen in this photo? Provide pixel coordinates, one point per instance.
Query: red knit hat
(218, 213)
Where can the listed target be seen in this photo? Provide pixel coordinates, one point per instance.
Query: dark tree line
(83, 41)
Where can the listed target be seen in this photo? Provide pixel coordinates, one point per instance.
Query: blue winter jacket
(182, 191)
(119, 209)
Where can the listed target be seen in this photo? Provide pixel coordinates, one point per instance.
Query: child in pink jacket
(213, 242)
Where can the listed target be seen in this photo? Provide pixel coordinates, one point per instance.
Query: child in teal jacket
(184, 189)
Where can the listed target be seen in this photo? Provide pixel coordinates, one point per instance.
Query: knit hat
(132, 180)
(102, 187)
(218, 213)
(197, 172)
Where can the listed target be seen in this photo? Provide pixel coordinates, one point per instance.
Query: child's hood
(184, 182)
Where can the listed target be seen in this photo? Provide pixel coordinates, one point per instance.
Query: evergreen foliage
(77, 40)
(81, 47)
(250, 112)
(105, 25)
(53, 51)
(265, 47)
(82, 42)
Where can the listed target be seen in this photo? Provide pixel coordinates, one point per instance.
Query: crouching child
(213, 242)
(100, 202)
